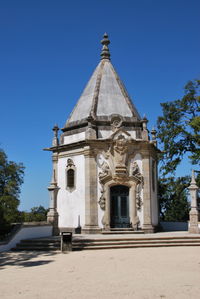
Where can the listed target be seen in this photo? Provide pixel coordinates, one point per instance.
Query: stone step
(25, 243)
(82, 243)
(110, 242)
(40, 241)
(38, 245)
(135, 239)
(121, 232)
(35, 248)
(97, 247)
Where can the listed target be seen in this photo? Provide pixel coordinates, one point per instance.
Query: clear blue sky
(49, 49)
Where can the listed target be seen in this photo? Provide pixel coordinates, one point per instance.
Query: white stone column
(147, 222)
(91, 208)
(193, 223)
(52, 216)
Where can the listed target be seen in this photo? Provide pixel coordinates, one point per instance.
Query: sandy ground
(120, 273)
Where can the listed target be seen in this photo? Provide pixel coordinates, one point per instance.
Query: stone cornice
(144, 146)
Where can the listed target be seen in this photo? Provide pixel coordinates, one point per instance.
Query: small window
(70, 178)
(70, 175)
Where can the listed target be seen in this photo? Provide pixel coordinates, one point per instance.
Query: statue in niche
(120, 151)
(136, 171)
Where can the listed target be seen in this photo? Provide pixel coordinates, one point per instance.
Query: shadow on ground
(25, 258)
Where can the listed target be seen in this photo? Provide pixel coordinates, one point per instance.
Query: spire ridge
(105, 53)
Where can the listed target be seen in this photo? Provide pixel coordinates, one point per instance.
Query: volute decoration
(103, 176)
(138, 176)
(102, 200)
(105, 171)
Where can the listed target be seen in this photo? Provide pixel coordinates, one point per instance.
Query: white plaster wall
(71, 205)
(74, 138)
(154, 201)
(27, 233)
(132, 133)
(138, 158)
(104, 133)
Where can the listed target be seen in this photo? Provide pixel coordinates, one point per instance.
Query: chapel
(104, 162)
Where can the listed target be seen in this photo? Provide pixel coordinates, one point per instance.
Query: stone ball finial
(105, 54)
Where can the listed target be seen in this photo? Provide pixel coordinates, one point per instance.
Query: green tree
(179, 129)
(173, 199)
(36, 214)
(11, 178)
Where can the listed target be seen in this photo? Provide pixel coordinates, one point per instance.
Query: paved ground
(121, 273)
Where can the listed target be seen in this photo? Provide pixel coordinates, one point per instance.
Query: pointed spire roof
(104, 95)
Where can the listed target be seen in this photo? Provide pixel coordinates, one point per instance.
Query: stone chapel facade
(104, 163)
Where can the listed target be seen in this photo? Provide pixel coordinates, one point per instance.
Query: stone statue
(120, 151)
(105, 170)
(136, 171)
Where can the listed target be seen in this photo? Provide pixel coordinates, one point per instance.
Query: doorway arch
(119, 206)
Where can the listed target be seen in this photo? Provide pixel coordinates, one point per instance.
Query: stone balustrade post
(193, 222)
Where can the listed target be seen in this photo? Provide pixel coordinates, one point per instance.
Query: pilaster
(91, 208)
(147, 224)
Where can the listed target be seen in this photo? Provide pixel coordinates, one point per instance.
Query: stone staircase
(116, 243)
(82, 242)
(40, 244)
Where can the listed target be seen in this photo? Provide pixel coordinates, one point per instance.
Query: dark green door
(119, 196)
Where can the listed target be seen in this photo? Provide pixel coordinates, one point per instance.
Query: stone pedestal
(52, 216)
(193, 228)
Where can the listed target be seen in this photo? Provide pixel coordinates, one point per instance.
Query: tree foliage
(172, 195)
(11, 178)
(36, 214)
(179, 129)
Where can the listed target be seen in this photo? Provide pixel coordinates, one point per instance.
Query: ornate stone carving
(116, 122)
(105, 171)
(104, 174)
(102, 200)
(135, 171)
(138, 196)
(120, 149)
(114, 167)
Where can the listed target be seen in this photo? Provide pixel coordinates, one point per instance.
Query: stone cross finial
(153, 133)
(105, 54)
(55, 138)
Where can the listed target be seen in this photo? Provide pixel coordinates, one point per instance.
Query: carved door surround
(117, 169)
(131, 184)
